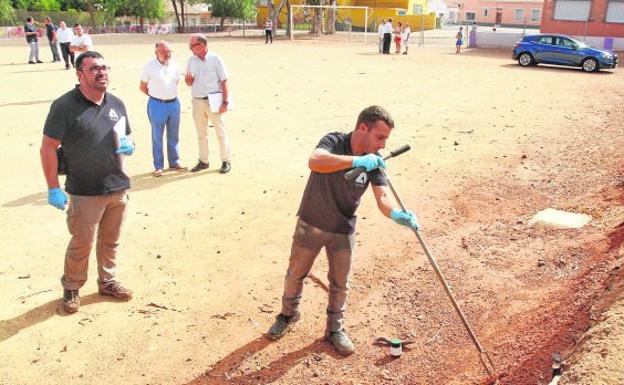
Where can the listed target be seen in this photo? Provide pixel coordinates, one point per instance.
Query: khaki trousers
(307, 243)
(86, 215)
(201, 116)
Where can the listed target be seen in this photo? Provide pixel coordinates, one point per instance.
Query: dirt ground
(492, 144)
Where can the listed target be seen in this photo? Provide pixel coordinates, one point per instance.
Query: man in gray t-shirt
(327, 218)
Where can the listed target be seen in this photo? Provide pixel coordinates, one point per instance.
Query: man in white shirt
(387, 38)
(159, 81)
(81, 42)
(405, 35)
(207, 76)
(380, 34)
(65, 36)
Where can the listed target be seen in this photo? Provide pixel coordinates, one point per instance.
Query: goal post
(318, 21)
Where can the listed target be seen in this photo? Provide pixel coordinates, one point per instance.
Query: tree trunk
(288, 11)
(92, 14)
(175, 9)
(331, 19)
(183, 15)
(317, 22)
(142, 24)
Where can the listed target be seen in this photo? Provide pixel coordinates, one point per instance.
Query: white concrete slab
(558, 219)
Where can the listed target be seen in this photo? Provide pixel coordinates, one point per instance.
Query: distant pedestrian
(405, 35)
(33, 41)
(387, 37)
(459, 37)
(65, 36)
(380, 34)
(397, 37)
(268, 30)
(159, 81)
(52, 39)
(81, 42)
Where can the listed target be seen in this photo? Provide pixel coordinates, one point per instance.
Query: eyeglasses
(97, 69)
(195, 45)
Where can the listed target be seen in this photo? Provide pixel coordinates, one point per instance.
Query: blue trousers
(164, 116)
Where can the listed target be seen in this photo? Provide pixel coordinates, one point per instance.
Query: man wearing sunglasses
(92, 127)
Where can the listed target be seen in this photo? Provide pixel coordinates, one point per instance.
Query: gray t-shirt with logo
(329, 201)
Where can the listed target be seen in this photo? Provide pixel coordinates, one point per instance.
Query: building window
(519, 14)
(535, 15)
(471, 16)
(485, 12)
(615, 12)
(572, 10)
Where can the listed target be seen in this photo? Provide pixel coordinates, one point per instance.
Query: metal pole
(365, 24)
(290, 22)
(444, 283)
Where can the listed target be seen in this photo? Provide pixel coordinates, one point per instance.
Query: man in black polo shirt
(92, 127)
(51, 34)
(327, 218)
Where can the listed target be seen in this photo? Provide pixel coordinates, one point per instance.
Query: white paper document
(120, 128)
(215, 100)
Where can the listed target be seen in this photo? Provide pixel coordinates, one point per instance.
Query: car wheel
(589, 65)
(525, 59)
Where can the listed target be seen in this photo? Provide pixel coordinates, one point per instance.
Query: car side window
(566, 43)
(546, 40)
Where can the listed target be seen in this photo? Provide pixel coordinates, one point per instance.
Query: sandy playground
(492, 144)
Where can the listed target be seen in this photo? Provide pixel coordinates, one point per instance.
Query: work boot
(282, 324)
(115, 289)
(71, 301)
(341, 342)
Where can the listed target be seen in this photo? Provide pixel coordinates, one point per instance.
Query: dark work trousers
(269, 36)
(67, 54)
(386, 42)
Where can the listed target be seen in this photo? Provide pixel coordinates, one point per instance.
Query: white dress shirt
(64, 35)
(162, 79)
(208, 74)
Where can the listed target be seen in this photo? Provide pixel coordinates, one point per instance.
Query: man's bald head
(163, 51)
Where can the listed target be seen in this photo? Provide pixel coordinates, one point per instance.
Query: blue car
(562, 50)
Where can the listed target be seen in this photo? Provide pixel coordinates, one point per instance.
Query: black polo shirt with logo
(87, 134)
(329, 200)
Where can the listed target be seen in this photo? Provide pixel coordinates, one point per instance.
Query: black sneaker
(225, 167)
(71, 301)
(200, 166)
(282, 325)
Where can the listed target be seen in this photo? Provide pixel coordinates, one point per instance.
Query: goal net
(327, 22)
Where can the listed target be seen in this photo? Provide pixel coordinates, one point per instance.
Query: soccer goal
(329, 22)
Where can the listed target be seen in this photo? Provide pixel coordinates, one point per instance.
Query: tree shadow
(145, 181)
(224, 370)
(11, 327)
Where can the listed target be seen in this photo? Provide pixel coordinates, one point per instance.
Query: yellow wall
(375, 13)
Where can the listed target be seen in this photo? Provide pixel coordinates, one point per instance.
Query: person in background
(52, 39)
(380, 34)
(81, 42)
(159, 81)
(65, 36)
(407, 31)
(397, 37)
(387, 36)
(459, 40)
(268, 30)
(33, 41)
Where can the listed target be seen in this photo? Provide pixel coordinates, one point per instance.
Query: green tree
(150, 9)
(7, 16)
(233, 9)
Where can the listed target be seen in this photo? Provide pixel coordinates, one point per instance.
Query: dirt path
(492, 145)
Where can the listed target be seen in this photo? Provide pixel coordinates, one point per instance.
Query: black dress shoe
(200, 166)
(39, 61)
(225, 167)
(31, 62)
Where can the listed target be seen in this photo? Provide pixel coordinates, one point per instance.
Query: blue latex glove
(405, 218)
(126, 147)
(57, 198)
(369, 162)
